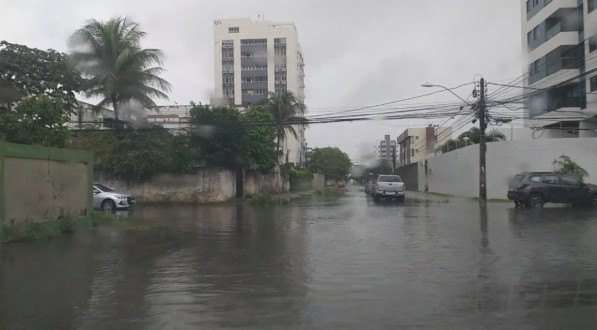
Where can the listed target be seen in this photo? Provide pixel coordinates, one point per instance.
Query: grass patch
(329, 192)
(262, 200)
(64, 225)
(106, 218)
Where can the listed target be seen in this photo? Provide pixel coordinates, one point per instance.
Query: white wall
(457, 172)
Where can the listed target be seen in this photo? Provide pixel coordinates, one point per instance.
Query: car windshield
(103, 188)
(389, 178)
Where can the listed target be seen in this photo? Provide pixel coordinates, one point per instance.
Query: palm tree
(119, 70)
(285, 111)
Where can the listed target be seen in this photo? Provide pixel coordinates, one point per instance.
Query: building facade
(387, 150)
(416, 144)
(560, 45)
(253, 58)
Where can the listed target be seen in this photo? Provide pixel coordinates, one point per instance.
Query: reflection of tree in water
(244, 267)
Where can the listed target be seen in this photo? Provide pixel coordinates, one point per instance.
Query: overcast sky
(357, 52)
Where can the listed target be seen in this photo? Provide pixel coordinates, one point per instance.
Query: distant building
(560, 46)
(415, 144)
(87, 116)
(387, 150)
(252, 58)
(173, 117)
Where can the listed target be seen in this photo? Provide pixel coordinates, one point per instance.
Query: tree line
(38, 91)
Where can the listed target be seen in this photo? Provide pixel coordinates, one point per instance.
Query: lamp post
(482, 127)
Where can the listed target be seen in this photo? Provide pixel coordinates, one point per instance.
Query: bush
(300, 179)
(36, 120)
(136, 154)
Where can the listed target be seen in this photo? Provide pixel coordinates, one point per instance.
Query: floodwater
(346, 263)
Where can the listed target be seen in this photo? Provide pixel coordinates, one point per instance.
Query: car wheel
(108, 205)
(593, 201)
(536, 201)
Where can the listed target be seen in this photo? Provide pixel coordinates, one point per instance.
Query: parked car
(109, 199)
(534, 189)
(388, 186)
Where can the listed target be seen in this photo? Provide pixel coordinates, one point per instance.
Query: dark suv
(534, 189)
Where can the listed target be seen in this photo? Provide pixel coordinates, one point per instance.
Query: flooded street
(343, 262)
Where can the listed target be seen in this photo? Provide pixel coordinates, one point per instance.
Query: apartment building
(416, 144)
(254, 57)
(386, 150)
(560, 71)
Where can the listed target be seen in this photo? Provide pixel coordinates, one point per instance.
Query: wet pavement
(346, 262)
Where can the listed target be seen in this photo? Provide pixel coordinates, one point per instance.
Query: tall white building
(560, 43)
(252, 58)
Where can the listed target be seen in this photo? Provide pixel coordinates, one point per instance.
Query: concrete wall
(39, 184)
(257, 183)
(457, 172)
(410, 176)
(318, 180)
(204, 186)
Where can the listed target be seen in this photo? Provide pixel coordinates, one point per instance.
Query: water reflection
(321, 264)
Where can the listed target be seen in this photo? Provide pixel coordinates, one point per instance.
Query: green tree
(36, 120)
(495, 136)
(137, 154)
(218, 136)
(119, 70)
(472, 136)
(285, 111)
(260, 145)
(30, 71)
(564, 164)
(332, 162)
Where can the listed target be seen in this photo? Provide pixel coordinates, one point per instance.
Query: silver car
(110, 200)
(389, 186)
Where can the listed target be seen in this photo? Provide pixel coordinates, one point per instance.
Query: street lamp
(481, 115)
(445, 88)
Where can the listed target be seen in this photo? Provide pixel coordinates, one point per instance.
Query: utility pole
(482, 145)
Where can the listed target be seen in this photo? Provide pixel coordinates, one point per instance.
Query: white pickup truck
(389, 187)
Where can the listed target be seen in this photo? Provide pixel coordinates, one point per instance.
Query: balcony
(561, 59)
(570, 97)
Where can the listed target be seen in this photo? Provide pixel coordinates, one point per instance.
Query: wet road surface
(347, 263)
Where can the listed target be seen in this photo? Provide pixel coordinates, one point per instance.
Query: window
(233, 29)
(535, 3)
(389, 178)
(529, 38)
(592, 5)
(535, 178)
(550, 179)
(412, 152)
(528, 5)
(593, 83)
(535, 33)
(593, 43)
(570, 180)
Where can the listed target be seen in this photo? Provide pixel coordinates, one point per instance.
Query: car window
(570, 181)
(550, 179)
(535, 178)
(103, 188)
(389, 178)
